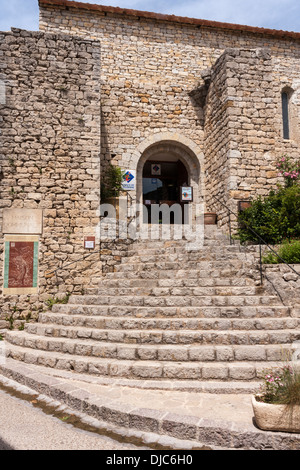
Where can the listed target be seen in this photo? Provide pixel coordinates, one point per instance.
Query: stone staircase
(169, 314)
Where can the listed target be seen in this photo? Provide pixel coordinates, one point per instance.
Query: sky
(274, 14)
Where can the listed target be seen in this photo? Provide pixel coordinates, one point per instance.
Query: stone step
(153, 352)
(214, 252)
(182, 242)
(162, 244)
(186, 274)
(143, 369)
(243, 312)
(167, 312)
(164, 252)
(163, 324)
(175, 300)
(211, 240)
(184, 282)
(176, 291)
(149, 336)
(208, 265)
(208, 246)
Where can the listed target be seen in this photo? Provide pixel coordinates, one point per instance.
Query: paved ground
(161, 415)
(24, 427)
(225, 406)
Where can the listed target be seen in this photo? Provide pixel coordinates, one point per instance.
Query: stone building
(210, 105)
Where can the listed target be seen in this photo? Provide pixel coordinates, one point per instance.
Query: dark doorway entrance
(161, 185)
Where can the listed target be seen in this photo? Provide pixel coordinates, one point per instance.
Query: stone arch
(182, 148)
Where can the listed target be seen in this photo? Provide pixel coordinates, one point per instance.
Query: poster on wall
(155, 169)
(21, 265)
(186, 194)
(129, 180)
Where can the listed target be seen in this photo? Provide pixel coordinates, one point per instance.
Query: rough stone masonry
(50, 155)
(100, 85)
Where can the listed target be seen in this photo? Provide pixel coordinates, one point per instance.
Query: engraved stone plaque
(23, 221)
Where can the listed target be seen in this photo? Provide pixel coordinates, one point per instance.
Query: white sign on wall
(186, 194)
(129, 180)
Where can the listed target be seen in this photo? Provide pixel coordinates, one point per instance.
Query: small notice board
(186, 194)
(89, 243)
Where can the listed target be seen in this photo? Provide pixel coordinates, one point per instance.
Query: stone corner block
(145, 419)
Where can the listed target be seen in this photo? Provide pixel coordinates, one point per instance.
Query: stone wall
(209, 93)
(50, 156)
(152, 84)
(286, 283)
(243, 126)
(218, 138)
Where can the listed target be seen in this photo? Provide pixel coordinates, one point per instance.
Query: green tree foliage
(288, 251)
(274, 218)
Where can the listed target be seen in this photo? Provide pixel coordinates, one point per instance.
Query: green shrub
(290, 210)
(111, 185)
(53, 301)
(289, 252)
(274, 218)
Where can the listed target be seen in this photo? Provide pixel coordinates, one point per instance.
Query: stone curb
(200, 431)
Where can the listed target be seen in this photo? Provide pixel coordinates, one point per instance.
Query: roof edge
(172, 18)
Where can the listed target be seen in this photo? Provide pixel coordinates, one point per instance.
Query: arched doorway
(163, 178)
(180, 162)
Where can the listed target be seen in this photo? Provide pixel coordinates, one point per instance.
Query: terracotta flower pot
(271, 417)
(210, 218)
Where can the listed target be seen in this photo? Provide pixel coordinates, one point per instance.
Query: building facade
(178, 102)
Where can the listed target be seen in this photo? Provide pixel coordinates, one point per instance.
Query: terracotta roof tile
(172, 18)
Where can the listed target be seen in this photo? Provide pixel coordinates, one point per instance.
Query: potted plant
(277, 405)
(111, 189)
